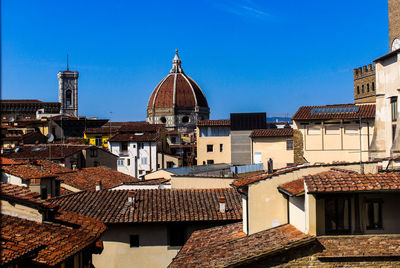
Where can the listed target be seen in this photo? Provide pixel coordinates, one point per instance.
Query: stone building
(364, 84)
(68, 92)
(177, 101)
(394, 24)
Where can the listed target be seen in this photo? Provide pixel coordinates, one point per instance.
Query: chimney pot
(98, 185)
(222, 204)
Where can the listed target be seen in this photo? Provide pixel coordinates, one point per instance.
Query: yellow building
(275, 144)
(213, 142)
(99, 136)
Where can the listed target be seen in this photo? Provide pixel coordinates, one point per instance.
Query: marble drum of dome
(177, 101)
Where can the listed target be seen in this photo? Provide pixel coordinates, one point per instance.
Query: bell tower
(394, 24)
(68, 91)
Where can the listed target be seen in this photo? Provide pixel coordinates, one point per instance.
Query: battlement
(364, 71)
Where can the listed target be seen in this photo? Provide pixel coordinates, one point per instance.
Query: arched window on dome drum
(68, 95)
(185, 119)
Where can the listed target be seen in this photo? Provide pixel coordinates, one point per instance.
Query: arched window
(68, 97)
(185, 119)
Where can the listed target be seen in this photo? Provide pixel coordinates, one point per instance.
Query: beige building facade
(334, 133)
(275, 144)
(213, 142)
(386, 140)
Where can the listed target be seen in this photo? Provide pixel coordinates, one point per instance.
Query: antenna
(67, 62)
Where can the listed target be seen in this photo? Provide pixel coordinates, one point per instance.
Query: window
(68, 95)
(129, 162)
(358, 89)
(124, 147)
(140, 145)
(185, 119)
(337, 216)
(214, 131)
(143, 160)
(221, 147)
(43, 192)
(362, 89)
(176, 235)
(314, 130)
(393, 132)
(93, 153)
(289, 145)
(134, 241)
(98, 141)
(120, 162)
(374, 214)
(393, 103)
(173, 139)
(367, 87)
(210, 148)
(373, 86)
(210, 162)
(163, 120)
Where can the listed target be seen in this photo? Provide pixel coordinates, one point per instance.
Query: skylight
(334, 110)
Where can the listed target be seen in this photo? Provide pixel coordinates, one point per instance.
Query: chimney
(222, 204)
(131, 197)
(98, 185)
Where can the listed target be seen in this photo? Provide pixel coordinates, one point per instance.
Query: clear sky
(246, 55)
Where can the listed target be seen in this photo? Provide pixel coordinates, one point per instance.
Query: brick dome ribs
(177, 100)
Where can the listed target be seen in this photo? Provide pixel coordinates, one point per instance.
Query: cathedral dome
(177, 99)
(177, 90)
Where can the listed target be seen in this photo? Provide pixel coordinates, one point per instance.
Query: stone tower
(68, 92)
(394, 24)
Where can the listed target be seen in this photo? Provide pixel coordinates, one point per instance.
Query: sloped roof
(26, 172)
(336, 182)
(293, 188)
(135, 138)
(156, 205)
(54, 239)
(365, 111)
(272, 132)
(226, 246)
(86, 178)
(46, 151)
(214, 123)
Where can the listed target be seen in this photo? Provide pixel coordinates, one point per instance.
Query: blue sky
(246, 55)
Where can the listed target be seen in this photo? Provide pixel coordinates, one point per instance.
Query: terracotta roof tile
(159, 205)
(86, 178)
(293, 188)
(145, 137)
(214, 123)
(272, 132)
(57, 242)
(227, 246)
(55, 238)
(14, 252)
(8, 161)
(47, 151)
(365, 111)
(23, 194)
(332, 181)
(26, 172)
(354, 246)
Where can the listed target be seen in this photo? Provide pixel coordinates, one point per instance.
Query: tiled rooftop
(214, 123)
(353, 246)
(102, 130)
(23, 194)
(333, 181)
(272, 132)
(86, 178)
(8, 161)
(57, 242)
(293, 188)
(161, 205)
(365, 111)
(227, 246)
(54, 239)
(145, 137)
(26, 172)
(48, 151)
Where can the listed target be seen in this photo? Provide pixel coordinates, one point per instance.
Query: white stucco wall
(297, 215)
